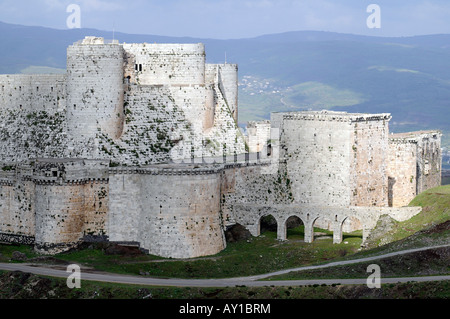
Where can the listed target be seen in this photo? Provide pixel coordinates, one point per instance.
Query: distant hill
(408, 77)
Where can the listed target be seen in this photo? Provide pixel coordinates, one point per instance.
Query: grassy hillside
(431, 227)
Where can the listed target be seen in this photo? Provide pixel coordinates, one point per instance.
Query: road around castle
(252, 281)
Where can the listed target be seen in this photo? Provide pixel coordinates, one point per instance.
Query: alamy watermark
(374, 280)
(74, 19)
(374, 19)
(74, 279)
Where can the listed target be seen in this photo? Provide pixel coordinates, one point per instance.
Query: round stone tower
(95, 89)
(228, 80)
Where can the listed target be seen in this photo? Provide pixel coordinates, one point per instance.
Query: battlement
(334, 116)
(91, 40)
(413, 137)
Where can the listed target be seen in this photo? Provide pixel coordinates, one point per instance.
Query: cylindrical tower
(229, 84)
(95, 94)
(59, 217)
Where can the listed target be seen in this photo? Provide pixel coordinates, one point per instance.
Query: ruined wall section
(415, 164)
(368, 166)
(169, 212)
(401, 170)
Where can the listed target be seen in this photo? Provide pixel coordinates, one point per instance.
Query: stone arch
(294, 225)
(351, 223)
(325, 222)
(348, 224)
(267, 222)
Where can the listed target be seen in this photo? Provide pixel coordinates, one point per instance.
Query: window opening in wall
(51, 88)
(138, 67)
(37, 88)
(74, 106)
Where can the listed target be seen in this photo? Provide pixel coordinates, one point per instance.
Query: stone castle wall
(429, 161)
(132, 103)
(335, 157)
(171, 213)
(402, 172)
(79, 154)
(415, 164)
(258, 135)
(95, 90)
(166, 64)
(17, 203)
(228, 77)
(369, 156)
(32, 93)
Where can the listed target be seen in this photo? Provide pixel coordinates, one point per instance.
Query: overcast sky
(222, 19)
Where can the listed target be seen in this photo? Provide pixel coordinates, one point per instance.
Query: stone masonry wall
(17, 205)
(317, 148)
(429, 160)
(228, 79)
(258, 134)
(154, 124)
(32, 93)
(166, 64)
(369, 149)
(249, 184)
(402, 170)
(71, 202)
(95, 91)
(170, 213)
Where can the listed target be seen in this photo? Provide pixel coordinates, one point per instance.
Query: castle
(138, 144)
